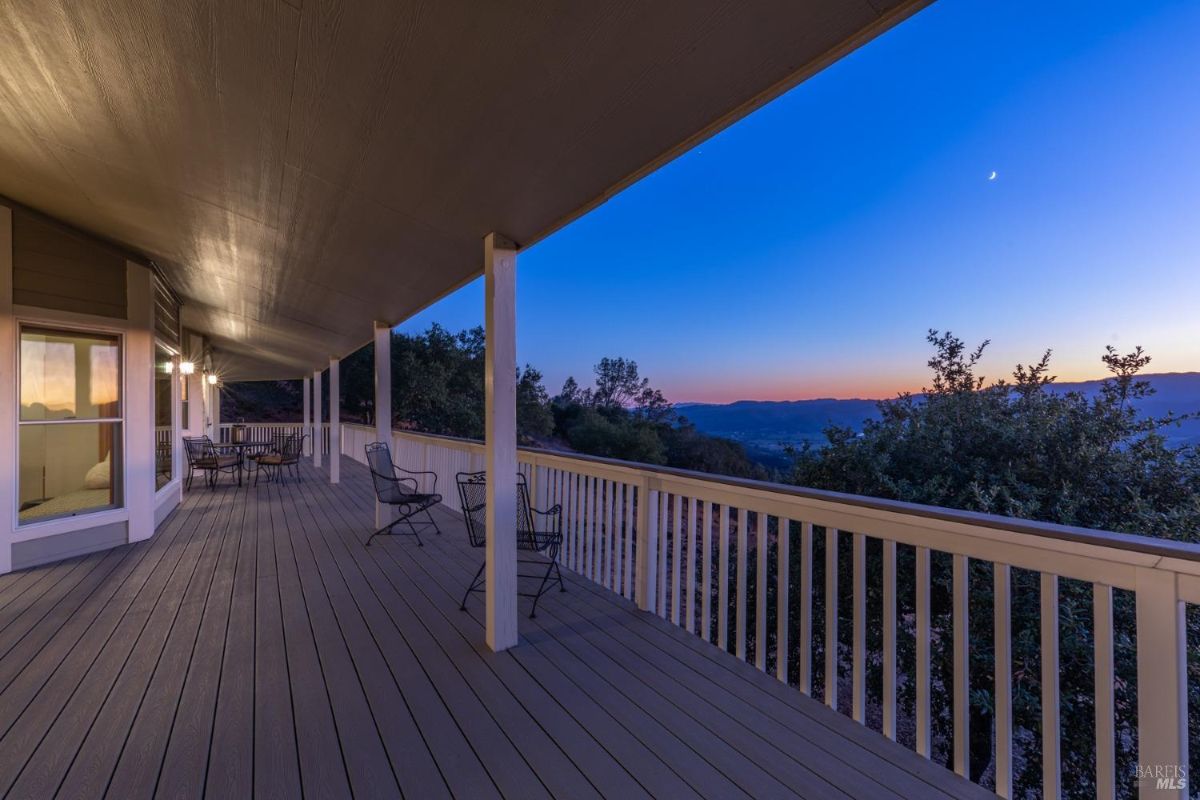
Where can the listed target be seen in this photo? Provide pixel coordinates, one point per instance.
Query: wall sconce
(212, 379)
(186, 368)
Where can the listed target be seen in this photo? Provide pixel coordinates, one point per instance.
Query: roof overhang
(299, 172)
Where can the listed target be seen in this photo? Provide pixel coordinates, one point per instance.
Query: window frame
(176, 412)
(69, 323)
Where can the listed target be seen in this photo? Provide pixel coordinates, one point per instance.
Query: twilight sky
(805, 251)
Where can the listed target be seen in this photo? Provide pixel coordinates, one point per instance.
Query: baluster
(647, 548)
(706, 575)
(962, 683)
(676, 556)
(1162, 675)
(806, 604)
(662, 554)
(760, 591)
(592, 521)
(723, 580)
(1102, 616)
(1051, 766)
(629, 541)
(1002, 594)
(610, 534)
(924, 742)
(858, 704)
(889, 639)
(615, 541)
(690, 606)
(742, 538)
(831, 617)
(783, 547)
(577, 522)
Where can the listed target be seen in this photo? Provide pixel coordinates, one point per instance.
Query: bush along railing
(973, 639)
(265, 431)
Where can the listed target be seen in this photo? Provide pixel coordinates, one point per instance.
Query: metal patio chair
(399, 488)
(285, 454)
(202, 455)
(472, 493)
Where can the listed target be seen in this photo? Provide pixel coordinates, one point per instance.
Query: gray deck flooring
(254, 647)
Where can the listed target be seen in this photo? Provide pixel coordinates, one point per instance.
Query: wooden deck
(255, 647)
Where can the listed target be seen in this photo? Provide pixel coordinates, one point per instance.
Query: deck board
(255, 646)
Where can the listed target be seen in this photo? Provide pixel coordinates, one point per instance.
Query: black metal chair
(285, 454)
(202, 455)
(399, 488)
(472, 493)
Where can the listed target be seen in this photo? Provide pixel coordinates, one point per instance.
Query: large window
(70, 423)
(164, 371)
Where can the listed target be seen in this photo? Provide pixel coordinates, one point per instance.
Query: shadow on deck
(255, 646)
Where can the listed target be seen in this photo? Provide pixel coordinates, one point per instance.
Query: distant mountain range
(765, 427)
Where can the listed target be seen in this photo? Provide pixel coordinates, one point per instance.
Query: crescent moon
(992, 177)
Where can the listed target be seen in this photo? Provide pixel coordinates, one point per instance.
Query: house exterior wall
(56, 277)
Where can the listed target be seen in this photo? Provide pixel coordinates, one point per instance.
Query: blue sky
(804, 251)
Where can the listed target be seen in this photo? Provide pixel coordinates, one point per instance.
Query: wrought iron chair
(286, 454)
(399, 488)
(472, 493)
(202, 455)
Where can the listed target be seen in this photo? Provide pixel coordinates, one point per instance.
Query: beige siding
(55, 267)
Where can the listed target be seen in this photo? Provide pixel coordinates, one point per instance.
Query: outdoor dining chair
(203, 456)
(472, 493)
(284, 455)
(400, 488)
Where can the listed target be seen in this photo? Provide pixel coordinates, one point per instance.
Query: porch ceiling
(301, 169)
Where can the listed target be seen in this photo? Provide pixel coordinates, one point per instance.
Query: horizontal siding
(56, 268)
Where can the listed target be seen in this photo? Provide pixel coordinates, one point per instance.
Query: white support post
(335, 421)
(307, 424)
(214, 402)
(500, 439)
(1162, 685)
(383, 403)
(8, 399)
(317, 429)
(139, 402)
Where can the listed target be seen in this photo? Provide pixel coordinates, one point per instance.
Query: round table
(240, 448)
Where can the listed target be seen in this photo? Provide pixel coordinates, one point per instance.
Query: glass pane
(164, 374)
(69, 375)
(69, 469)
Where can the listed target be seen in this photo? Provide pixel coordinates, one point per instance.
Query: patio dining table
(241, 448)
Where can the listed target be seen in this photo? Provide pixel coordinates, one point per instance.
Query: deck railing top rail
(618, 469)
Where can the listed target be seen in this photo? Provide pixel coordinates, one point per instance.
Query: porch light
(186, 367)
(212, 378)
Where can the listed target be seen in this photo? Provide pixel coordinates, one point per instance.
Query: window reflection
(69, 439)
(69, 375)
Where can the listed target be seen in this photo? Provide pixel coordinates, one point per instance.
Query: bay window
(70, 435)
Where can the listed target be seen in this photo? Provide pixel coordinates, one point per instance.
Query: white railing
(679, 543)
(265, 431)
